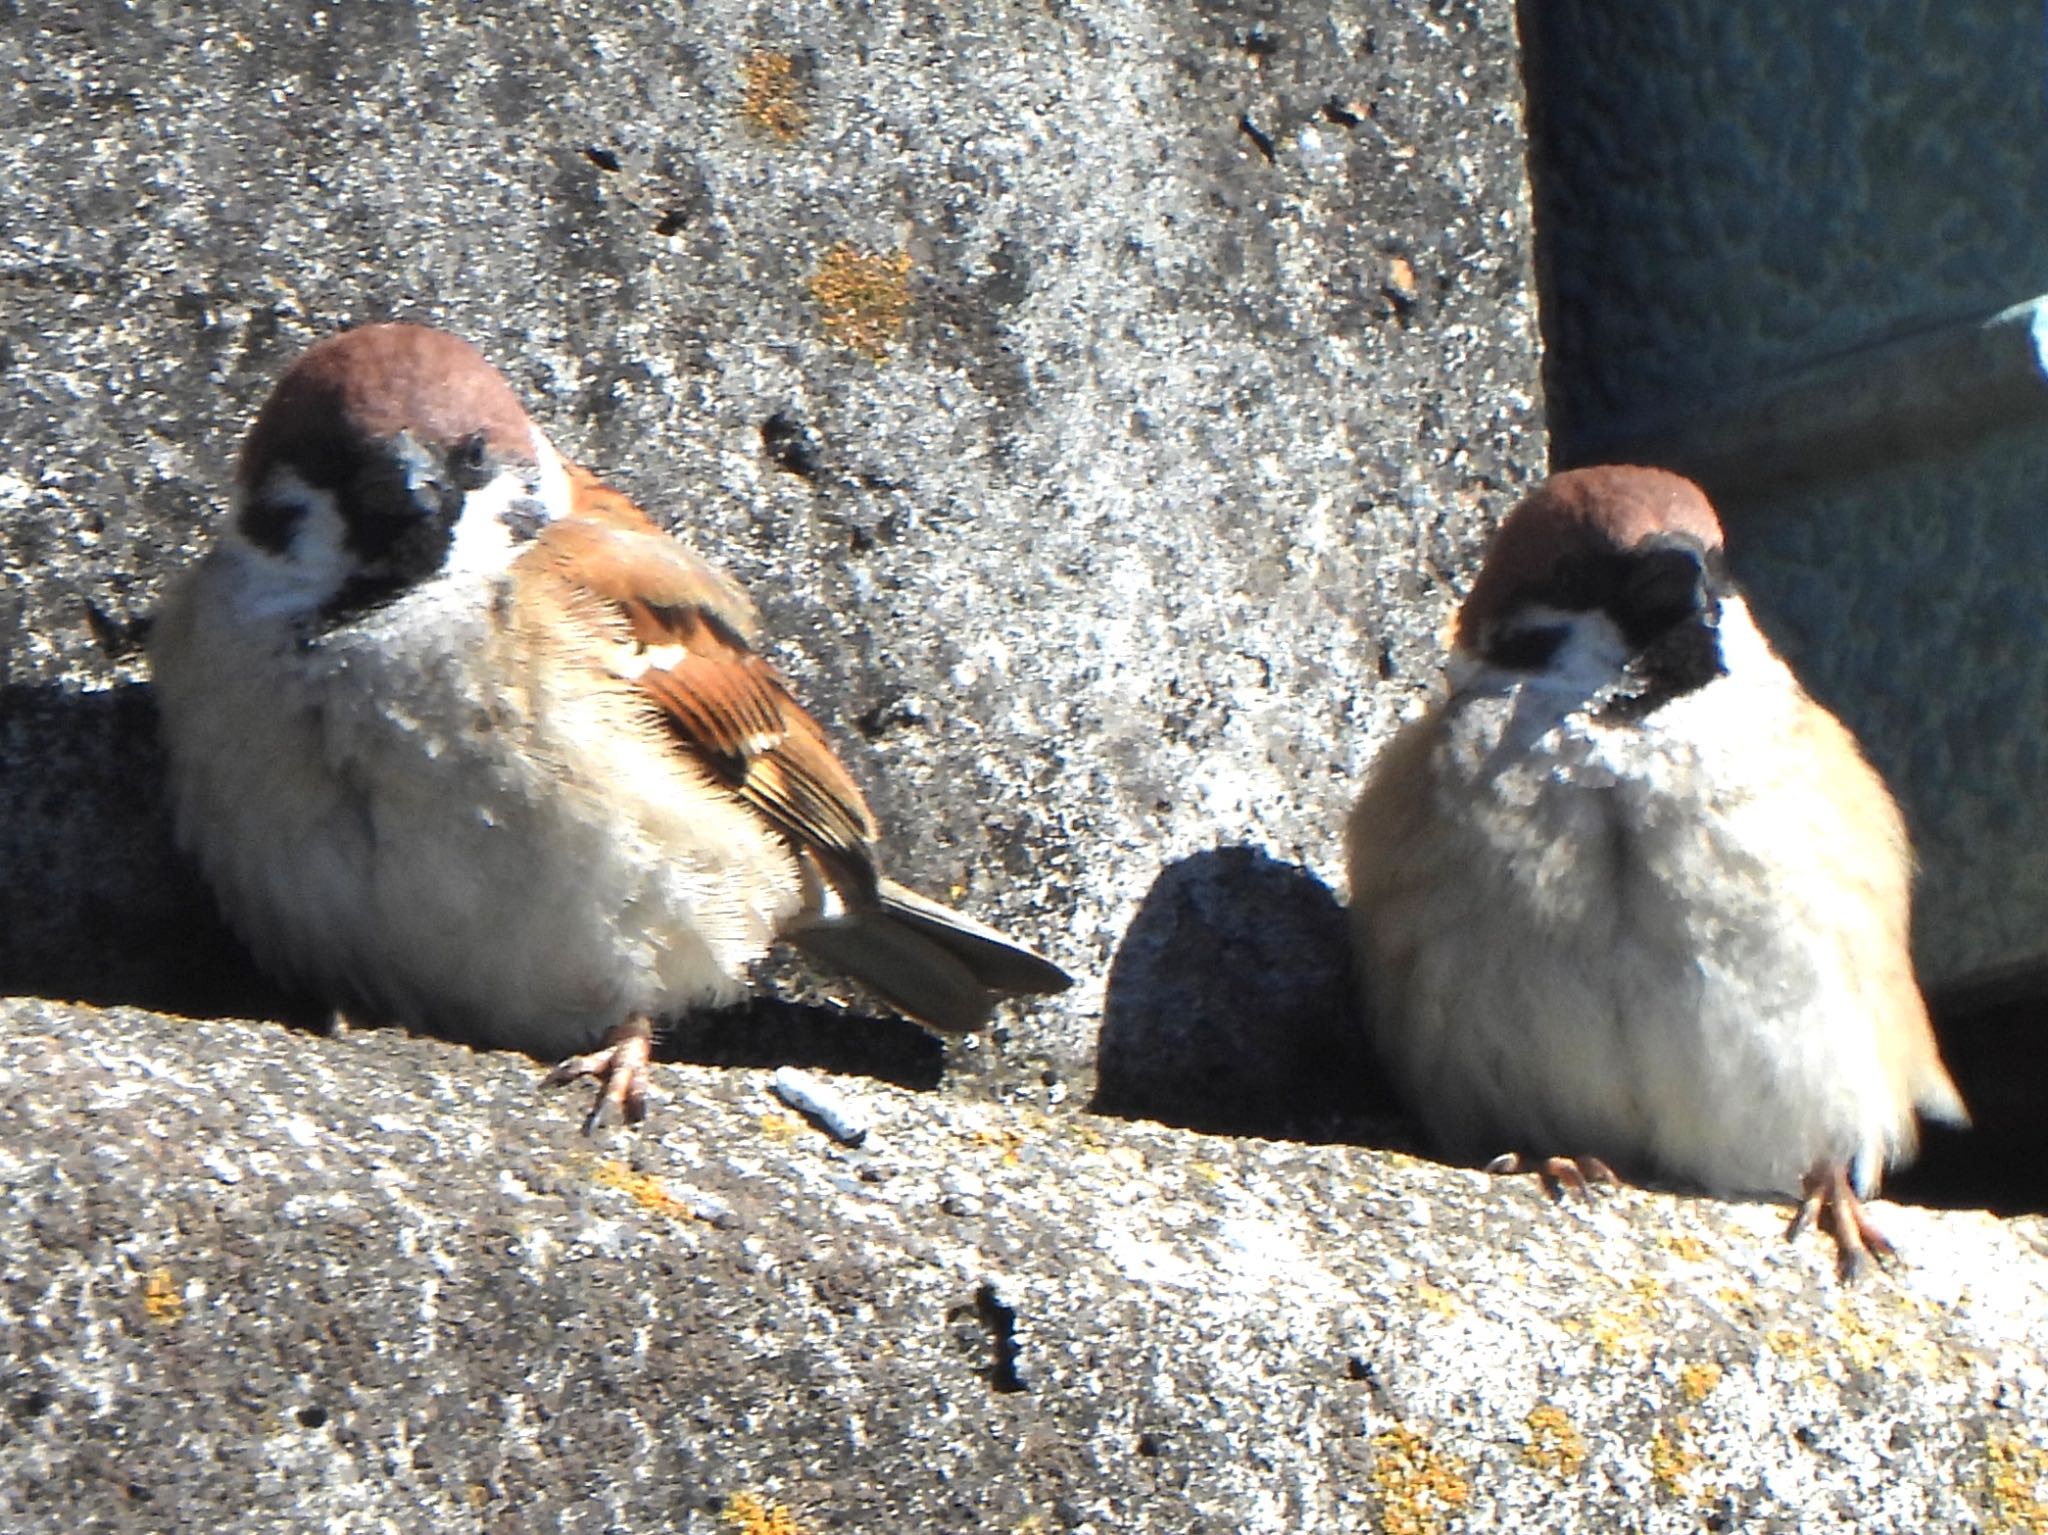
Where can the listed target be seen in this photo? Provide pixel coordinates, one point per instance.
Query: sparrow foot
(1830, 1200)
(620, 1065)
(1560, 1175)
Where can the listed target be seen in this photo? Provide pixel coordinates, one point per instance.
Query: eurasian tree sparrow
(461, 739)
(1629, 892)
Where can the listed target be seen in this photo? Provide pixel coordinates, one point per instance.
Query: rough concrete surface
(1206, 355)
(380, 1283)
(1216, 356)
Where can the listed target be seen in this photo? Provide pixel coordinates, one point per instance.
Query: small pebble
(830, 1111)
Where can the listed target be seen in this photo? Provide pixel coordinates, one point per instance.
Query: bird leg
(620, 1065)
(1830, 1199)
(1578, 1175)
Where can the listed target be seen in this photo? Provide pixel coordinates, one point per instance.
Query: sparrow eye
(469, 462)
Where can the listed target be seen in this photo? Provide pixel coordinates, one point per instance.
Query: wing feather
(690, 650)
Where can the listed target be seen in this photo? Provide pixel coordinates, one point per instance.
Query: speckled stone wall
(1102, 403)
(1731, 193)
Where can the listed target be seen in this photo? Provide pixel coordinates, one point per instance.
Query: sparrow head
(384, 457)
(1611, 579)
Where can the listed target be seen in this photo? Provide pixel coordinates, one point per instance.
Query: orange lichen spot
(1008, 1142)
(865, 297)
(1790, 1343)
(751, 1515)
(161, 1298)
(1673, 1461)
(1698, 1380)
(1401, 278)
(781, 1127)
(1554, 1444)
(2016, 1477)
(774, 94)
(1621, 1334)
(1438, 1299)
(644, 1189)
(1418, 1488)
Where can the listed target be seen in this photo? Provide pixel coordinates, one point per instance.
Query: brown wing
(691, 626)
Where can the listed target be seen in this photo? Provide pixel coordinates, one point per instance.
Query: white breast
(1617, 940)
(431, 814)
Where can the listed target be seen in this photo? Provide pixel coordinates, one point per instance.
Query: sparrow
(1628, 893)
(462, 740)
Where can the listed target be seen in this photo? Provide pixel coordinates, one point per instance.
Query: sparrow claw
(620, 1064)
(1828, 1198)
(1561, 1175)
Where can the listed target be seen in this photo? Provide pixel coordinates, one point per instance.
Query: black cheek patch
(1526, 650)
(271, 525)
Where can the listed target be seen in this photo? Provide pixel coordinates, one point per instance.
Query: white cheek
(1743, 646)
(485, 542)
(314, 566)
(553, 488)
(1593, 657)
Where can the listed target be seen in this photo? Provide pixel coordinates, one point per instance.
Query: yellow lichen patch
(644, 1189)
(865, 297)
(1087, 1136)
(1418, 1488)
(755, 1516)
(1867, 1344)
(1631, 1327)
(1737, 1299)
(2016, 1476)
(1698, 1380)
(1621, 1334)
(1554, 1444)
(774, 94)
(1673, 1462)
(1690, 1249)
(780, 1127)
(1439, 1300)
(1790, 1343)
(161, 1299)
(1008, 1142)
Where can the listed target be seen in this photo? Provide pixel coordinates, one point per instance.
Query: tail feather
(943, 969)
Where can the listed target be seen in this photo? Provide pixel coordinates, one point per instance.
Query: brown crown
(371, 384)
(1609, 509)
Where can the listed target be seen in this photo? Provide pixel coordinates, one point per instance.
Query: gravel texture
(263, 1281)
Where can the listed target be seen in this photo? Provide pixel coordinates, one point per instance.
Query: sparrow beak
(401, 507)
(1667, 586)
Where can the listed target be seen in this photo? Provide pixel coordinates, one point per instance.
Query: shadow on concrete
(1231, 1008)
(776, 1031)
(97, 905)
(1996, 1047)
